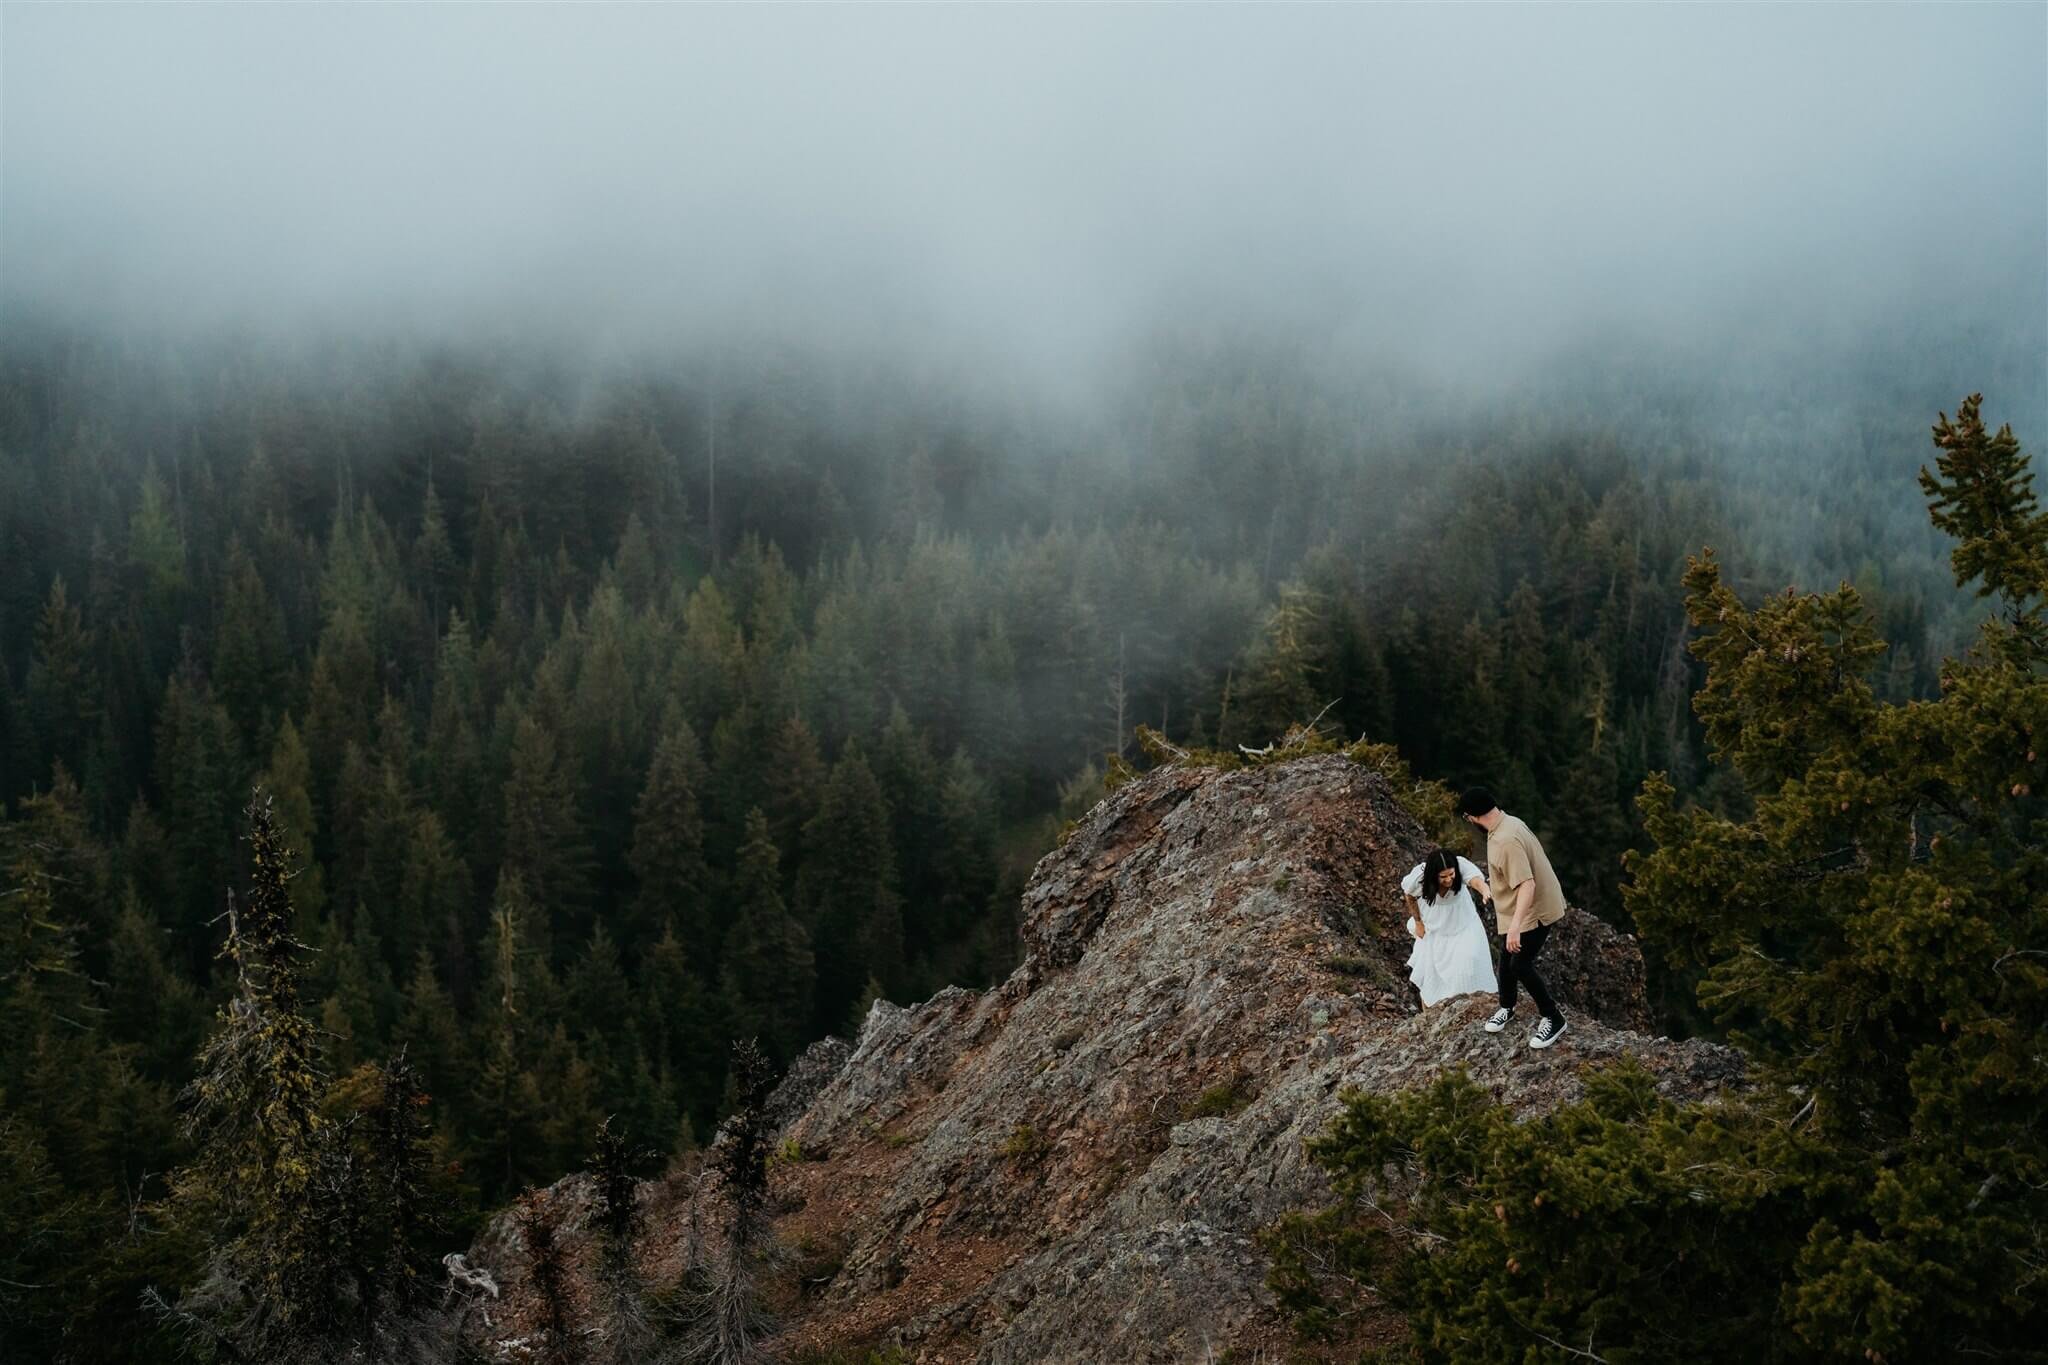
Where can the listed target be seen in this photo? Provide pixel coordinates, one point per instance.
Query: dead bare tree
(724, 1320)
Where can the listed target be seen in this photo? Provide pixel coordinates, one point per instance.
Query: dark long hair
(1441, 860)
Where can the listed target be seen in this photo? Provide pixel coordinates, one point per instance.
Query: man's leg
(1506, 977)
(1532, 944)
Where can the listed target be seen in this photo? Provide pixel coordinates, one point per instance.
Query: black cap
(1477, 801)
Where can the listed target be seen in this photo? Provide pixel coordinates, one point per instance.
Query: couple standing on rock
(1450, 956)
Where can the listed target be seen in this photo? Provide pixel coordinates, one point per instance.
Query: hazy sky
(1458, 181)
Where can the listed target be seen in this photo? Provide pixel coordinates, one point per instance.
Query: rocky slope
(1073, 1166)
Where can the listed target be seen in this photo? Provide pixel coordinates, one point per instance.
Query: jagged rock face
(1074, 1166)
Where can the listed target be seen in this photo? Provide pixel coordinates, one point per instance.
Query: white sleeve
(1411, 885)
(1468, 871)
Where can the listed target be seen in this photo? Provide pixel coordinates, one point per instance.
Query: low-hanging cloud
(1467, 186)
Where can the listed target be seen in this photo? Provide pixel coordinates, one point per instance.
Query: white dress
(1453, 957)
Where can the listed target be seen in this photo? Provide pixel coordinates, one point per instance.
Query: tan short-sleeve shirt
(1515, 855)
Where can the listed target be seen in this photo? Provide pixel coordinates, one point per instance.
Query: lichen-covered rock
(1074, 1165)
(1595, 969)
(807, 1075)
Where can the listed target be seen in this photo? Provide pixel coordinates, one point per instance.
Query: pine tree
(434, 904)
(913, 792)
(706, 670)
(994, 720)
(723, 1316)
(1281, 684)
(149, 1005)
(251, 660)
(63, 691)
(966, 905)
(198, 767)
(607, 725)
(342, 691)
(256, 1119)
(434, 554)
(570, 1080)
(668, 842)
(544, 841)
(157, 547)
(628, 1332)
(791, 780)
(429, 1031)
(677, 1022)
(768, 969)
(594, 988)
(847, 886)
(639, 568)
(408, 1213)
(508, 1108)
(289, 780)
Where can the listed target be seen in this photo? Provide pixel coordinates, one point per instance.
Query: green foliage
(793, 1152)
(464, 627)
(1981, 494)
(1221, 1099)
(1025, 1144)
(319, 1203)
(768, 964)
(1868, 930)
(1620, 1225)
(668, 840)
(847, 888)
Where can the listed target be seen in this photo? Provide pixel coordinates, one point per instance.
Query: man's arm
(1521, 879)
(1525, 901)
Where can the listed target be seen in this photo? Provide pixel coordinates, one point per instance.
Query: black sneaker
(1548, 1032)
(1499, 1020)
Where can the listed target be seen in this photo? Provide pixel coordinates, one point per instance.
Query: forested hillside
(615, 715)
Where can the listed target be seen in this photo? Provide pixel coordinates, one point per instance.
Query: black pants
(1519, 969)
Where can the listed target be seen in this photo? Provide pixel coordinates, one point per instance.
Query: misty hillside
(553, 560)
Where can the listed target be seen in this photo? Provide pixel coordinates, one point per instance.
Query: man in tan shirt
(1527, 901)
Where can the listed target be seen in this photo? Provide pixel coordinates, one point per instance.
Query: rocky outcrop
(1074, 1165)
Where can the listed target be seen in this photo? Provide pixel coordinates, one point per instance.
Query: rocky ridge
(1074, 1165)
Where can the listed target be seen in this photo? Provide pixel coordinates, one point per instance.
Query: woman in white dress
(1451, 955)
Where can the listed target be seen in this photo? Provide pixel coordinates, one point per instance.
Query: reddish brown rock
(1074, 1165)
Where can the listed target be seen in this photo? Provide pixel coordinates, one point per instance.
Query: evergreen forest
(533, 731)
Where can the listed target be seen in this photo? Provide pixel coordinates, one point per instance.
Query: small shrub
(793, 1152)
(1348, 966)
(1218, 1100)
(1024, 1143)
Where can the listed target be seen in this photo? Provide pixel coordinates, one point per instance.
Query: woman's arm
(1474, 877)
(1411, 888)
